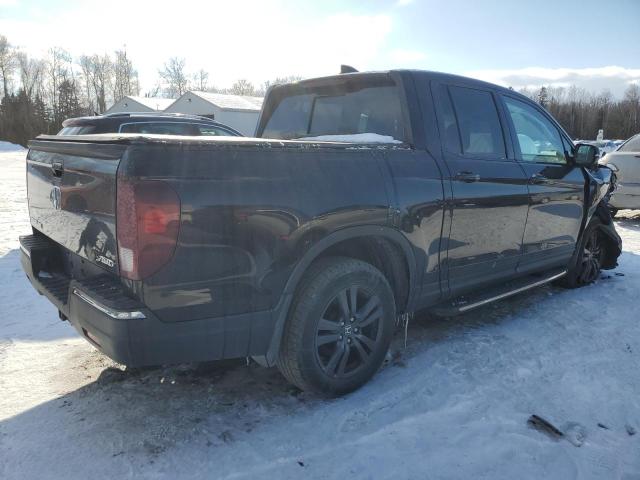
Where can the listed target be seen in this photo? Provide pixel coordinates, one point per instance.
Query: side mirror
(587, 155)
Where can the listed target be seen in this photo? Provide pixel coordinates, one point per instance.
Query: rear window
(351, 107)
(160, 128)
(77, 130)
(212, 131)
(631, 145)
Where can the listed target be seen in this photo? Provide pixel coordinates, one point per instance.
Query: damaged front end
(601, 183)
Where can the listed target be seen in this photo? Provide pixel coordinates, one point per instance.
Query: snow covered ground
(453, 404)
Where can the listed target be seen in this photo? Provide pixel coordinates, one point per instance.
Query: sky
(593, 44)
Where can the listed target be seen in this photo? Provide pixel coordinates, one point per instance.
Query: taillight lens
(147, 225)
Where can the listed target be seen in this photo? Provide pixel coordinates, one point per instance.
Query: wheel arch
(320, 249)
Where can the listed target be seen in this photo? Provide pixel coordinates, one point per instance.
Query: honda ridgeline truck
(363, 198)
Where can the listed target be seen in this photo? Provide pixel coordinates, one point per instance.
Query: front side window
(538, 138)
(478, 122)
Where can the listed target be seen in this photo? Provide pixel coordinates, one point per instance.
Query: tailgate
(72, 196)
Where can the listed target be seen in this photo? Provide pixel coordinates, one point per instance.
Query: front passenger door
(556, 187)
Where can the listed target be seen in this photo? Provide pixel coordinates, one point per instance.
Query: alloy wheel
(349, 331)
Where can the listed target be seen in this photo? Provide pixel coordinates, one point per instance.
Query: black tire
(587, 265)
(322, 326)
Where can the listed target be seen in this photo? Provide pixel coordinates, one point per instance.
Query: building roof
(155, 103)
(231, 102)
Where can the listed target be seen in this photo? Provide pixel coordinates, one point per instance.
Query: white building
(239, 112)
(140, 104)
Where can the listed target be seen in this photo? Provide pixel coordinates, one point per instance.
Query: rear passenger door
(556, 185)
(488, 188)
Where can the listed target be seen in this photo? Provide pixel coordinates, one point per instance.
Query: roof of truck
(449, 77)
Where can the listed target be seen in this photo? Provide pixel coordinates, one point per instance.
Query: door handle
(537, 178)
(467, 177)
(57, 169)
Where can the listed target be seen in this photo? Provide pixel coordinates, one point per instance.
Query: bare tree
(31, 73)
(86, 66)
(100, 69)
(125, 81)
(242, 87)
(56, 71)
(174, 77)
(200, 80)
(7, 63)
(277, 81)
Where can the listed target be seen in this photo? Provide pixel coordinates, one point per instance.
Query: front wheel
(588, 263)
(339, 327)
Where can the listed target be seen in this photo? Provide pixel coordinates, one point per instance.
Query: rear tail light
(148, 221)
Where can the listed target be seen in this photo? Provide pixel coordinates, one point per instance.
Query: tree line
(582, 113)
(38, 94)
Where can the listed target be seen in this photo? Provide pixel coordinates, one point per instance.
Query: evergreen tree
(543, 97)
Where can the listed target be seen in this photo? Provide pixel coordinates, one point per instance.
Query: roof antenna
(347, 69)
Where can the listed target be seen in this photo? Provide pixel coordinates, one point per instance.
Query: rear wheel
(589, 260)
(339, 327)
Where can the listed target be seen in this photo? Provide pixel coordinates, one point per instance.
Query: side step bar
(468, 302)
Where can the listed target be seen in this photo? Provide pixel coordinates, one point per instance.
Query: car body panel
(627, 168)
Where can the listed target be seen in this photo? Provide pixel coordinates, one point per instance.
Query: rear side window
(538, 138)
(346, 108)
(160, 128)
(478, 121)
(631, 145)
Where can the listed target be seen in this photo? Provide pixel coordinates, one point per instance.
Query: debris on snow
(544, 426)
(575, 434)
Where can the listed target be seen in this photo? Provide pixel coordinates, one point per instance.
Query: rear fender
(282, 309)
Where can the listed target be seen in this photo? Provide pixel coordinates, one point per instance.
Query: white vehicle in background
(604, 146)
(625, 161)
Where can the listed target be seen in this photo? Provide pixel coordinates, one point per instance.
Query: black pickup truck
(365, 197)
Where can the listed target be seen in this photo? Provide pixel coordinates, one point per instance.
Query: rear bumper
(128, 332)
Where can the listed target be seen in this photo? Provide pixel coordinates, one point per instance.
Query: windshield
(631, 145)
(347, 107)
